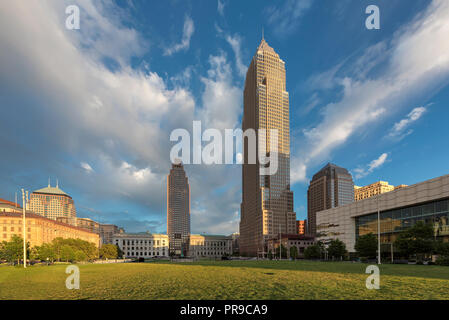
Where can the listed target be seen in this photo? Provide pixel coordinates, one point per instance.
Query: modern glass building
(392, 222)
(400, 209)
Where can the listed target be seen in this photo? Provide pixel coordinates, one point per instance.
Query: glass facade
(392, 222)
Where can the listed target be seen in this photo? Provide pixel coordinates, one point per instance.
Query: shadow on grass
(420, 271)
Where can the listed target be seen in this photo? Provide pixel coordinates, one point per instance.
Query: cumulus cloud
(187, 33)
(110, 116)
(416, 64)
(376, 163)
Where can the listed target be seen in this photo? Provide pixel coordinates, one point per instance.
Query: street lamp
(378, 229)
(24, 200)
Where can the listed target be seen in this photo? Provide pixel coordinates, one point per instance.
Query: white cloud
(118, 118)
(236, 43)
(87, 167)
(417, 64)
(376, 163)
(286, 19)
(187, 33)
(397, 132)
(221, 7)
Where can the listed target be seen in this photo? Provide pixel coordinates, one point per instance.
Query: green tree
(13, 249)
(46, 251)
(293, 252)
(108, 251)
(270, 255)
(312, 252)
(366, 246)
(283, 251)
(336, 249)
(417, 240)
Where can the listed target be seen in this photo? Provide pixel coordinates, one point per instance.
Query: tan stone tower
(267, 202)
(178, 210)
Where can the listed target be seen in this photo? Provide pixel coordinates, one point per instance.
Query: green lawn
(226, 280)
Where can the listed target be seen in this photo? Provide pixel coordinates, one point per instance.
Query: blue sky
(94, 107)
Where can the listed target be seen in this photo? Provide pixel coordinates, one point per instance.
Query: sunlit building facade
(52, 202)
(267, 201)
(399, 209)
(330, 187)
(142, 245)
(210, 246)
(374, 189)
(178, 210)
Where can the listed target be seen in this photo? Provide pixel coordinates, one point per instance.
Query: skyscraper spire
(263, 34)
(49, 182)
(57, 183)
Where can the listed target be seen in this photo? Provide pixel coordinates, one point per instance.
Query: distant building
(84, 223)
(41, 230)
(107, 232)
(52, 202)
(178, 210)
(210, 246)
(301, 242)
(142, 245)
(373, 189)
(235, 243)
(331, 187)
(400, 209)
(8, 206)
(301, 226)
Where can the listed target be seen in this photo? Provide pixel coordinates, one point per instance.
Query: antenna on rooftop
(49, 182)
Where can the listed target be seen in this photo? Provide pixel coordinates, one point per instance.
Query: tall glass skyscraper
(178, 210)
(267, 202)
(330, 187)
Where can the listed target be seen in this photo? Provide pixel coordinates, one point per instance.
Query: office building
(178, 210)
(40, 230)
(267, 201)
(52, 202)
(331, 187)
(142, 245)
(84, 223)
(301, 227)
(210, 246)
(301, 242)
(374, 189)
(400, 209)
(107, 231)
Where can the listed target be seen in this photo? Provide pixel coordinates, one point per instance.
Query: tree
(270, 255)
(336, 249)
(108, 251)
(366, 246)
(46, 251)
(312, 252)
(417, 240)
(293, 252)
(13, 249)
(283, 251)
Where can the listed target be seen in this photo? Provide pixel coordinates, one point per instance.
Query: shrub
(443, 261)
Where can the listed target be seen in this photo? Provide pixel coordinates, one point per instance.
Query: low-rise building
(210, 246)
(41, 230)
(301, 242)
(399, 209)
(142, 245)
(84, 223)
(107, 232)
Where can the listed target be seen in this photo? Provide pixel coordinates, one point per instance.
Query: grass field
(226, 280)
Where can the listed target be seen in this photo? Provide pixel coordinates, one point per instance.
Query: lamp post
(23, 228)
(378, 230)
